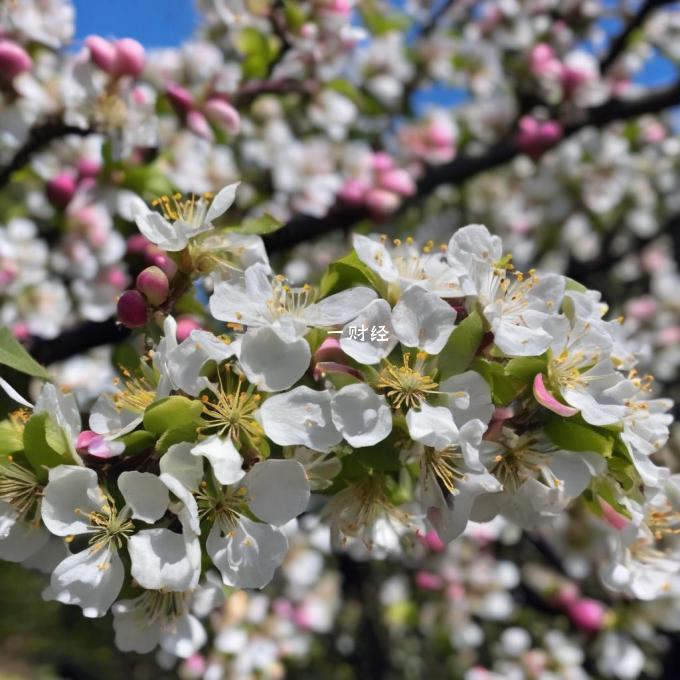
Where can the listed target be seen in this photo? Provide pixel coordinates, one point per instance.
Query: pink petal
(545, 398)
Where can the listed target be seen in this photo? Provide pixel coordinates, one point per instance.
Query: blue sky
(155, 23)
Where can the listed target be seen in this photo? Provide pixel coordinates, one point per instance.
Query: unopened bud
(586, 614)
(179, 97)
(60, 189)
(198, 124)
(224, 114)
(88, 168)
(130, 57)
(185, 327)
(398, 181)
(102, 53)
(382, 202)
(154, 285)
(162, 261)
(14, 59)
(132, 309)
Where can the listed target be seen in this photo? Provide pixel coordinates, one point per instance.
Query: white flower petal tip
(545, 398)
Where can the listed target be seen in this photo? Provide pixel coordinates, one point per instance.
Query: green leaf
(461, 346)
(257, 52)
(295, 17)
(44, 445)
(137, 442)
(575, 436)
(504, 388)
(347, 272)
(11, 439)
(172, 413)
(184, 433)
(13, 354)
(525, 368)
(258, 225)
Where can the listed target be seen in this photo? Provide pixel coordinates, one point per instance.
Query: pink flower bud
(14, 59)
(198, 124)
(535, 137)
(440, 135)
(60, 189)
(21, 331)
(129, 57)
(611, 516)
(382, 161)
(381, 202)
(88, 168)
(137, 245)
(117, 278)
(308, 30)
(432, 541)
(429, 581)
(179, 97)
(195, 666)
(343, 7)
(669, 336)
(102, 53)
(572, 78)
(542, 60)
(353, 191)
(164, 262)
(132, 309)
(330, 350)
(398, 181)
(185, 326)
(545, 398)
(587, 614)
(642, 308)
(224, 114)
(93, 444)
(154, 285)
(324, 367)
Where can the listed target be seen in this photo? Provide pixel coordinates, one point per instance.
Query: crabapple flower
(182, 220)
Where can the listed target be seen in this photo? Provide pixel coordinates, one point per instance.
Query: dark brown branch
(40, 137)
(618, 44)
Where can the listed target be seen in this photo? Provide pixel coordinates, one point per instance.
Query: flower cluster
(416, 388)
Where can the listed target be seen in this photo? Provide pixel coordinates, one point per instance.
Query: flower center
(288, 299)
(160, 606)
(109, 528)
(520, 460)
(222, 505)
(233, 412)
(191, 210)
(136, 395)
(405, 385)
(444, 465)
(20, 488)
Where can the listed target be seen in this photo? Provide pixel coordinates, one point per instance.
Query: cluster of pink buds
(432, 140)
(151, 290)
(14, 59)
(118, 58)
(535, 136)
(543, 63)
(198, 115)
(385, 190)
(62, 187)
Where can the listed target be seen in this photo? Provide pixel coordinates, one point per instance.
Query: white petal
(475, 241)
(70, 496)
(222, 202)
(146, 495)
(163, 559)
(519, 341)
(363, 417)
(278, 490)
(270, 362)
(226, 461)
(183, 636)
(432, 426)
(178, 462)
(374, 346)
(13, 394)
(90, 579)
(374, 254)
(190, 514)
(23, 541)
(62, 408)
(469, 397)
(249, 555)
(105, 418)
(134, 631)
(339, 308)
(158, 230)
(301, 416)
(422, 319)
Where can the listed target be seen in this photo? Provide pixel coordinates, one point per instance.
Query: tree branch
(40, 137)
(618, 44)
